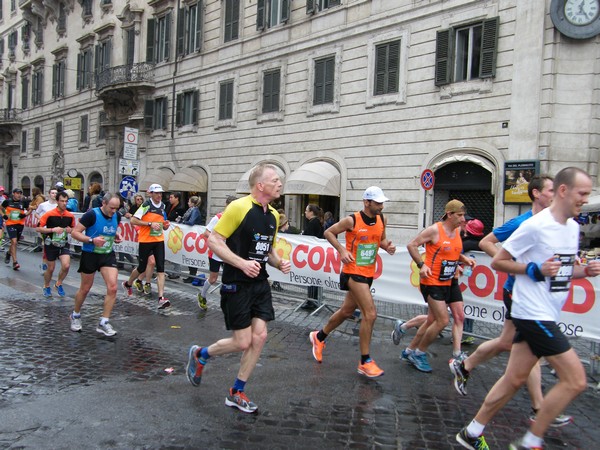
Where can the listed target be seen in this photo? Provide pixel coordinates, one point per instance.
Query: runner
(15, 211)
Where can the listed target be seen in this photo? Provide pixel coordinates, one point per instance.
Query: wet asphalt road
(65, 390)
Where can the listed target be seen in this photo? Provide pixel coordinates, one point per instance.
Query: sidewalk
(61, 389)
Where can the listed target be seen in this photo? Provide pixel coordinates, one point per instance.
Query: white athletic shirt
(210, 227)
(537, 240)
(44, 207)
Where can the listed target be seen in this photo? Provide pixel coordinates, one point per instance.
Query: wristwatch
(91, 240)
(420, 264)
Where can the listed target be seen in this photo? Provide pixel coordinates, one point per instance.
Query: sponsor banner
(316, 263)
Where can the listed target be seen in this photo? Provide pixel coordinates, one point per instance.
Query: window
(387, 61)
(270, 94)
(24, 141)
(37, 139)
(271, 12)
(159, 39)
(1, 51)
(13, 5)
(61, 23)
(83, 129)
(25, 92)
(87, 7)
(466, 53)
(25, 35)
(39, 32)
(37, 85)
(102, 56)
(102, 119)
(13, 39)
(232, 20)
(187, 108)
(189, 31)
(155, 113)
(312, 6)
(58, 79)
(58, 134)
(323, 81)
(84, 69)
(226, 100)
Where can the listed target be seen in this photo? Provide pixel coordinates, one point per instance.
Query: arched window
(26, 186)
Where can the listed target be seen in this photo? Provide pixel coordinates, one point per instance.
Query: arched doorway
(471, 184)
(38, 181)
(26, 186)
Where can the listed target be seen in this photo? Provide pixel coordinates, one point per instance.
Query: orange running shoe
(370, 369)
(317, 346)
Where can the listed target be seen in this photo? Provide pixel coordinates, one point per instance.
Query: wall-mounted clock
(577, 19)
(72, 173)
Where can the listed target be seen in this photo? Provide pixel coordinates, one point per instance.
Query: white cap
(376, 194)
(155, 188)
(59, 184)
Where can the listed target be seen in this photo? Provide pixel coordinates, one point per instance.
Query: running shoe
(163, 303)
(75, 323)
(468, 340)
(517, 445)
(461, 376)
(127, 288)
(420, 362)
(194, 366)
(138, 285)
(240, 401)
(60, 290)
(202, 302)
(477, 443)
(106, 329)
(16, 266)
(47, 292)
(370, 369)
(398, 333)
(404, 355)
(559, 421)
(317, 346)
(147, 289)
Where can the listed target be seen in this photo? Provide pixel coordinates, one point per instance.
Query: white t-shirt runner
(210, 227)
(44, 207)
(537, 240)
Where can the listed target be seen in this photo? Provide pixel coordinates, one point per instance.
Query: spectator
(328, 220)
(192, 217)
(72, 203)
(175, 210)
(96, 195)
(314, 227)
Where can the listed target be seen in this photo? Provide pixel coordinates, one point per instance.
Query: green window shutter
(489, 48)
(130, 47)
(260, 14)
(179, 111)
(198, 29)
(285, 11)
(393, 75)
(148, 114)
(181, 31)
(222, 101)
(235, 19)
(319, 82)
(380, 72)
(443, 57)
(195, 107)
(150, 41)
(63, 73)
(54, 81)
(168, 19)
(310, 6)
(267, 87)
(329, 80)
(164, 112)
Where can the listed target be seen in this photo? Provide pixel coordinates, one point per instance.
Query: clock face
(72, 173)
(581, 12)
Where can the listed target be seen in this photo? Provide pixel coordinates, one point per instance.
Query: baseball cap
(376, 194)
(59, 184)
(155, 188)
(17, 190)
(2, 188)
(453, 206)
(474, 227)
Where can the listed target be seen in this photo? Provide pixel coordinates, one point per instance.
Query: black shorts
(543, 337)
(455, 292)
(14, 231)
(507, 298)
(145, 249)
(93, 262)
(242, 302)
(345, 278)
(214, 265)
(51, 253)
(438, 293)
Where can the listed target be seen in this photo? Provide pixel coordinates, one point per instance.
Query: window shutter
(150, 41)
(198, 26)
(443, 57)
(393, 67)
(235, 19)
(63, 73)
(164, 112)
(181, 31)
(179, 111)
(380, 60)
(130, 47)
(148, 114)
(334, 3)
(87, 76)
(329, 80)
(275, 77)
(107, 54)
(222, 101)
(310, 7)
(319, 82)
(260, 15)
(78, 80)
(168, 20)
(285, 11)
(25, 93)
(195, 107)
(54, 81)
(489, 48)
(267, 92)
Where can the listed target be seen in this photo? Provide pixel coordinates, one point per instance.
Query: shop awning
(244, 188)
(160, 176)
(189, 180)
(318, 177)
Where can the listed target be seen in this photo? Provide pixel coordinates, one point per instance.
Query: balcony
(10, 128)
(10, 117)
(126, 77)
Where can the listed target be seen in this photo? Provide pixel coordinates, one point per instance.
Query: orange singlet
(442, 258)
(363, 243)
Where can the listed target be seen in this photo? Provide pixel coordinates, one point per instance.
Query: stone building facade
(339, 94)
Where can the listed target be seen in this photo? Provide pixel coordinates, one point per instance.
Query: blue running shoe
(194, 366)
(420, 362)
(398, 333)
(60, 290)
(47, 292)
(404, 355)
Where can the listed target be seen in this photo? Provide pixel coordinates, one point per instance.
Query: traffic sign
(128, 187)
(427, 179)
(129, 167)
(129, 151)
(131, 135)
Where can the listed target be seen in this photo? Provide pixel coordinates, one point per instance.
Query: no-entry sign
(427, 179)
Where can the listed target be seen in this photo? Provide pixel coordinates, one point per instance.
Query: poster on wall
(517, 175)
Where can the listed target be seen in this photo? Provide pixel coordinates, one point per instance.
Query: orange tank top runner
(14, 211)
(442, 258)
(363, 243)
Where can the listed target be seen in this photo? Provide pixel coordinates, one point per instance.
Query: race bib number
(366, 254)
(15, 215)
(447, 270)
(259, 251)
(562, 280)
(59, 239)
(107, 247)
(154, 232)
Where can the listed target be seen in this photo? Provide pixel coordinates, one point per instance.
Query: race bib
(154, 232)
(562, 280)
(447, 270)
(259, 251)
(366, 254)
(15, 215)
(59, 239)
(107, 247)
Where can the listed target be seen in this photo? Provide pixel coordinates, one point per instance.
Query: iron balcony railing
(10, 115)
(131, 73)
